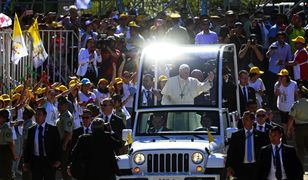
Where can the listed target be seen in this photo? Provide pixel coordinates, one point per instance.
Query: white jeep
(181, 140)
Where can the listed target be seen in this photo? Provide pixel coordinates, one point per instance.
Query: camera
(253, 41)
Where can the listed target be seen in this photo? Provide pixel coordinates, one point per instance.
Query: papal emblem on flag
(39, 54)
(19, 48)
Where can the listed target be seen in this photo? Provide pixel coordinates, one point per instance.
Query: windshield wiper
(165, 137)
(200, 137)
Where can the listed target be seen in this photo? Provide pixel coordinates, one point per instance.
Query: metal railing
(62, 47)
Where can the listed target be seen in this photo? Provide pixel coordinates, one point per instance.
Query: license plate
(166, 178)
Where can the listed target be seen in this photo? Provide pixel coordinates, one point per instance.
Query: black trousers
(247, 172)
(5, 162)
(269, 80)
(42, 169)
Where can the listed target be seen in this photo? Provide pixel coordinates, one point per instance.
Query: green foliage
(153, 7)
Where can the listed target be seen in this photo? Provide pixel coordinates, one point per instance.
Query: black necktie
(278, 172)
(17, 130)
(106, 119)
(245, 95)
(261, 128)
(40, 141)
(149, 95)
(87, 130)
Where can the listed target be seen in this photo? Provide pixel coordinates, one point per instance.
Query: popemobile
(185, 113)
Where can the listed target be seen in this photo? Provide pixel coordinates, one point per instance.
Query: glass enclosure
(175, 76)
(178, 122)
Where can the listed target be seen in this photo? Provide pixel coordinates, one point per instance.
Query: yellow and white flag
(39, 54)
(19, 48)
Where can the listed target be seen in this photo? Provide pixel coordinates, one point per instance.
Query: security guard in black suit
(278, 160)
(244, 148)
(88, 151)
(42, 153)
(7, 150)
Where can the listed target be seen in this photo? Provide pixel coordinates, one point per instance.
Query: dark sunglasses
(261, 115)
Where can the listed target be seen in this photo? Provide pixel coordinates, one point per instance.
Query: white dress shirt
(258, 127)
(85, 128)
(109, 117)
(272, 175)
(253, 148)
(36, 140)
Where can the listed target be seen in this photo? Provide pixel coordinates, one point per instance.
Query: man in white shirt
(278, 161)
(182, 89)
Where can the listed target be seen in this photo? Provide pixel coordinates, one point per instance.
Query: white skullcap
(184, 66)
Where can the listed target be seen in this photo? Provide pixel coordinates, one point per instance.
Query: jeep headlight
(139, 158)
(197, 157)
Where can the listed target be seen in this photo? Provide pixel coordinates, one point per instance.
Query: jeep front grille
(168, 162)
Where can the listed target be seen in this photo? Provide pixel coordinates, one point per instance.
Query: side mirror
(126, 133)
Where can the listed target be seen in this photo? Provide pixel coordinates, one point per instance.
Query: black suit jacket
(76, 133)
(251, 96)
(52, 144)
(116, 123)
(236, 151)
(290, 162)
(98, 165)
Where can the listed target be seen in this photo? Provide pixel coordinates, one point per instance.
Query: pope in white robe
(182, 89)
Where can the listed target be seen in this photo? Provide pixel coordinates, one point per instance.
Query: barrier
(62, 47)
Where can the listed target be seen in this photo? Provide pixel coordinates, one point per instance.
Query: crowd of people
(40, 126)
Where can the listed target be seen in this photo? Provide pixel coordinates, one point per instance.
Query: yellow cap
(283, 72)
(118, 80)
(123, 15)
(19, 88)
(55, 24)
(73, 83)
(40, 91)
(175, 15)
(133, 24)
(163, 78)
(61, 88)
(15, 96)
(6, 97)
(255, 70)
(299, 39)
(103, 80)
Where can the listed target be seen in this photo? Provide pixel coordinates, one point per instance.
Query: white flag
(19, 48)
(39, 54)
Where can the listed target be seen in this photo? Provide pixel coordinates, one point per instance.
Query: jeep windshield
(177, 122)
(179, 76)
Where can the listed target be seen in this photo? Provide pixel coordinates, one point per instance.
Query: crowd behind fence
(62, 47)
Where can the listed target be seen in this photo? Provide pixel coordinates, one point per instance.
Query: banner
(39, 54)
(84, 4)
(19, 48)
